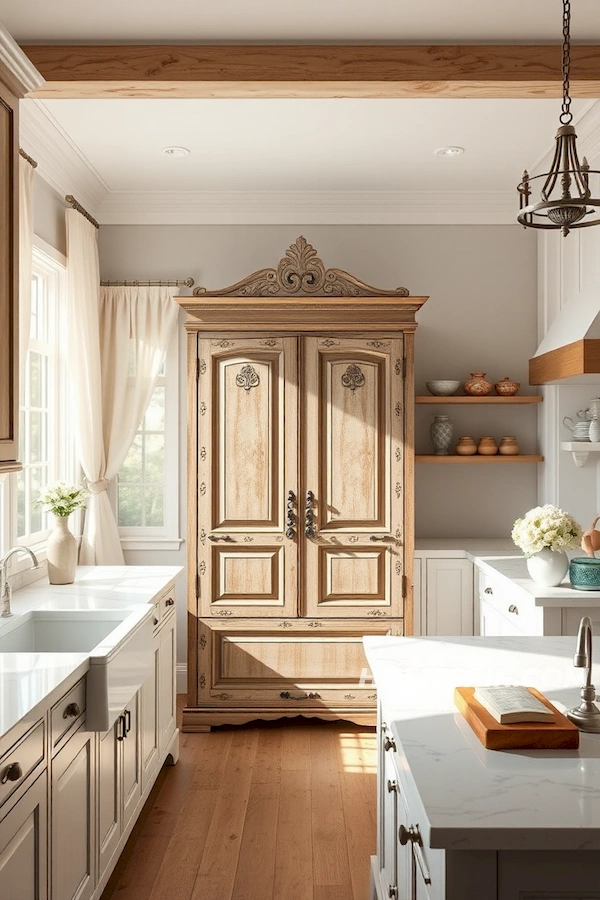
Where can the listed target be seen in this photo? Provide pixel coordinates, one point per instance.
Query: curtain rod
(80, 209)
(176, 282)
(29, 159)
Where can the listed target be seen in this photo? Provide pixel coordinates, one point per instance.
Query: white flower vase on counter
(548, 567)
(61, 552)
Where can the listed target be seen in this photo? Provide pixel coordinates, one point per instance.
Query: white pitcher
(595, 422)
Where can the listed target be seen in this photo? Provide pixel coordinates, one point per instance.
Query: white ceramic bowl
(442, 388)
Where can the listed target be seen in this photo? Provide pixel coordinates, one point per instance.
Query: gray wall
(481, 315)
(49, 215)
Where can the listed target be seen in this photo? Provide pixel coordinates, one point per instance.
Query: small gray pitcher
(442, 432)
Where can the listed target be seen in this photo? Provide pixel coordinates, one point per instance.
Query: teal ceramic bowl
(584, 573)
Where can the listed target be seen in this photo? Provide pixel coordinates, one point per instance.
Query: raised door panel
(131, 784)
(449, 597)
(73, 819)
(353, 462)
(109, 796)
(24, 846)
(149, 719)
(247, 477)
(9, 161)
(166, 702)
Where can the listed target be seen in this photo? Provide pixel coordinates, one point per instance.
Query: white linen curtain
(118, 337)
(26, 173)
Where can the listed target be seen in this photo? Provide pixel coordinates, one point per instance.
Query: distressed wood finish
(352, 449)
(246, 464)
(579, 358)
(280, 403)
(478, 71)
(9, 273)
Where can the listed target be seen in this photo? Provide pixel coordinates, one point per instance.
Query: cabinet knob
(513, 609)
(389, 743)
(155, 620)
(12, 773)
(488, 590)
(410, 835)
(71, 711)
(170, 602)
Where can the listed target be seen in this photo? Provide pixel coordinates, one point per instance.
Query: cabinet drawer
(514, 605)
(167, 603)
(66, 714)
(21, 760)
(286, 662)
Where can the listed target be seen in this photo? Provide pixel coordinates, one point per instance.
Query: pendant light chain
(566, 116)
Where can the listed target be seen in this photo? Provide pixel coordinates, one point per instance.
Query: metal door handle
(220, 537)
(381, 537)
(309, 522)
(127, 722)
(12, 773)
(121, 724)
(290, 531)
(312, 695)
(71, 711)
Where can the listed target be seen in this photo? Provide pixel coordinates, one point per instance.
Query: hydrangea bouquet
(546, 527)
(63, 499)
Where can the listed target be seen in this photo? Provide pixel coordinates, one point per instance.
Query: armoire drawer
(298, 662)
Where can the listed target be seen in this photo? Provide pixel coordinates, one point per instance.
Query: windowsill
(151, 543)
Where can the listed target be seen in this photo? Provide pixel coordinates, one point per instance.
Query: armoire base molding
(202, 720)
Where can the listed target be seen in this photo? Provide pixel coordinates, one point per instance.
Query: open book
(509, 703)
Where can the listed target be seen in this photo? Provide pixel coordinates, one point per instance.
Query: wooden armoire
(300, 511)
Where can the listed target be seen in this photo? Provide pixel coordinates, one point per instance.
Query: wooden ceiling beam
(311, 70)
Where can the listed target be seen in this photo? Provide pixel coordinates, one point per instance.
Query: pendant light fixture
(570, 205)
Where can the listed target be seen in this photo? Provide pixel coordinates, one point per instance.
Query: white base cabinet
(443, 592)
(23, 845)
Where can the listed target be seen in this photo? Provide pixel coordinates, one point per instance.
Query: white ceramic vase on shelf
(61, 552)
(548, 567)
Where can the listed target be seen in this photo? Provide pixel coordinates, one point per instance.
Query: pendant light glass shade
(565, 199)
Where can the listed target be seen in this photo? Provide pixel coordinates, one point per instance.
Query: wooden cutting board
(558, 735)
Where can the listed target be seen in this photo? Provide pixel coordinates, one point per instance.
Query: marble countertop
(462, 795)
(30, 681)
(514, 567)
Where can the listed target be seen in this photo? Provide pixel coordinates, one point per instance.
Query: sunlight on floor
(359, 752)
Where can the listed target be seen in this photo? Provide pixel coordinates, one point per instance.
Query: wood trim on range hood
(579, 358)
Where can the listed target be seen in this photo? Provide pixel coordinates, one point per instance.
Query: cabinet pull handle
(127, 722)
(12, 773)
(155, 620)
(413, 835)
(488, 590)
(309, 522)
(121, 725)
(71, 711)
(312, 695)
(290, 521)
(389, 744)
(220, 537)
(513, 609)
(392, 786)
(381, 537)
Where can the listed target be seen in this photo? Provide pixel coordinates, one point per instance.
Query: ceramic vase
(487, 446)
(548, 567)
(506, 387)
(441, 431)
(466, 446)
(61, 553)
(478, 386)
(509, 446)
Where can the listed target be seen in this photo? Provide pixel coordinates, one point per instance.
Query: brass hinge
(404, 367)
(197, 369)
(197, 586)
(404, 586)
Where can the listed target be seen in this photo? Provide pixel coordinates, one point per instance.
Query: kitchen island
(458, 822)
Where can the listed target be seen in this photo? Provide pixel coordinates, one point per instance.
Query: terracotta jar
(466, 446)
(506, 387)
(478, 386)
(508, 446)
(487, 446)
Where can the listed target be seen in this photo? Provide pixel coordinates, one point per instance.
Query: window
(45, 447)
(145, 496)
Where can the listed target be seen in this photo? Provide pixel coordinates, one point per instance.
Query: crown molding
(18, 63)
(60, 162)
(308, 207)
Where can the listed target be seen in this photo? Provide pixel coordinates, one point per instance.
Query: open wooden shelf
(476, 458)
(492, 398)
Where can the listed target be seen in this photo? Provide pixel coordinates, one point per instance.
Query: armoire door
(247, 476)
(353, 463)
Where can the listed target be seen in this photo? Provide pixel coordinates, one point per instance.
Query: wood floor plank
(295, 752)
(216, 874)
(267, 765)
(294, 850)
(357, 760)
(256, 863)
(330, 854)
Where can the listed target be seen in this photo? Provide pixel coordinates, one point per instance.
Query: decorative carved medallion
(202, 536)
(398, 454)
(222, 696)
(398, 535)
(222, 612)
(202, 489)
(349, 696)
(202, 367)
(315, 624)
(202, 408)
(247, 378)
(270, 342)
(376, 612)
(301, 271)
(372, 697)
(202, 641)
(398, 408)
(248, 539)
(285, 624)
(329, 343)
(279, 539)
(223, 343)
(202, 681)
(353, 539)
(398, 568)
(353, 378)
(398, 367)
(202, 452)
(201, 567)
(378, 344)
(398, 489)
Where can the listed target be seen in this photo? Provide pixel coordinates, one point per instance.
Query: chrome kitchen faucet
(587, 715)
(5, 588)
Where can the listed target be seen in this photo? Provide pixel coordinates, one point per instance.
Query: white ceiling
(309, 145)
(425, 21)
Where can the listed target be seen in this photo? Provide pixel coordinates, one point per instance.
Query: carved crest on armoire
(300, 486)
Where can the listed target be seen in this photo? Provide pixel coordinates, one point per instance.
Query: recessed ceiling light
(449, 151)
(176, 151)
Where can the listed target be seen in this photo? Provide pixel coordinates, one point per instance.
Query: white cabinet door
(109, 796)
(572, 617)
(149, 720)
(131, 782)
(166, 683)
(73, 820)
(418, 604)
(388, 824)
(493, 624)
(23, 846)
(449, 597)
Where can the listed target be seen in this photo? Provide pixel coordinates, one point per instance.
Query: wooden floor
(277, 811)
